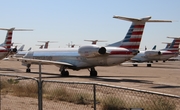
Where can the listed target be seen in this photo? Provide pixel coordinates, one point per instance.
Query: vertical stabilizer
(133, 37)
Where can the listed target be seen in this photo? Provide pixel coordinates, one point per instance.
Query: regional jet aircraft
(90, 56)
(156, 55)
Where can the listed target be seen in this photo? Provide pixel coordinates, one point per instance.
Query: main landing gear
(64, 73)
(28, 70)
(93, 72)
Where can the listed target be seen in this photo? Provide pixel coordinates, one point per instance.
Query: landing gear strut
(64, 73)
(28, 70)
(93, 72)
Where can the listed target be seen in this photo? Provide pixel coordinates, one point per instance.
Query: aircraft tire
(148, 65)
(93, 73)
(65, 73)
(28, 70)
(135, 65)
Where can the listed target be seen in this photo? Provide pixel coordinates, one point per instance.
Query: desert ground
(161, 77)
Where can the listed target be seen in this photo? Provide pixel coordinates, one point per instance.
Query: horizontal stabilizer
(48, 41)
(174, 37)
(13, 29)
(145, 19)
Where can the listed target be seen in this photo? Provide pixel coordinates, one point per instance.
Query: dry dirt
(161, 77)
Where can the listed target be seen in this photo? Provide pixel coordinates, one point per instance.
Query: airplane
(21, 53)
(46, 44)
(90, 56)
(156, 55)
(41, 46)
(71, 45)
(95, 41)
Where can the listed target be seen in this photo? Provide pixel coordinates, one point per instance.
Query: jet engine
(91, 51)
(152, 53)
(13, 51)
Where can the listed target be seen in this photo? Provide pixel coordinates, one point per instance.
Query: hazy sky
(74, 21)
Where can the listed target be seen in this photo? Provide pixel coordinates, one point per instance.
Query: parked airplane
(90, 56)
(41, 46)
(46, 43)
(156, 55)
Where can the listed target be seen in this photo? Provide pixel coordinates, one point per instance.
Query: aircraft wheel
(65, 73)
(148, 65)
(164, 61)
(93, 73)
(135, 65)
(156, 60)
(28, 70)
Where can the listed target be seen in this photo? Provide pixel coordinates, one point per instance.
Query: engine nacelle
(13, 51)
(152, 53)
(91, 51)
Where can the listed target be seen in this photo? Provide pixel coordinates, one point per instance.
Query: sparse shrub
(25, 90)
(163, 104)
(81, 98)
(12, 81)
(62, 94)
(112, 103)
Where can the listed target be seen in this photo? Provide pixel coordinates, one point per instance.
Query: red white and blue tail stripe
(174, 47)
(8, 40)
(133, 37)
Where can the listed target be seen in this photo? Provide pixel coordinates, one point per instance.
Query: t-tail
(21, 48)
(174, 46)
(134, 35)
(8, 39)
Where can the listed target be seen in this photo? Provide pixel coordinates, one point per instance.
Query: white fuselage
(114, 56)
(142, 57)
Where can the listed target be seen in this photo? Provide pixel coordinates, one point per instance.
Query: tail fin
(154, 48)
(47, 43)
(29, 49)
(174, 47)
(133, 37)
(21, 48)
(8, 40)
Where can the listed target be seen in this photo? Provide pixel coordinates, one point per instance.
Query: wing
(45, 62)
(135, 60)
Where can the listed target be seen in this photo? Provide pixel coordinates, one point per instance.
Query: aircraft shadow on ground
(122, 80)
(154, 67)
(100, 78)
(166, 67)
(164, 86)
(7, 69)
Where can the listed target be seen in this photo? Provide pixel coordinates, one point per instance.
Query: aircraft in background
(21, 53)
(5, 48)
(40, 46)
(90, 56)
(95, 41)
(46, 44)
(156, 55)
